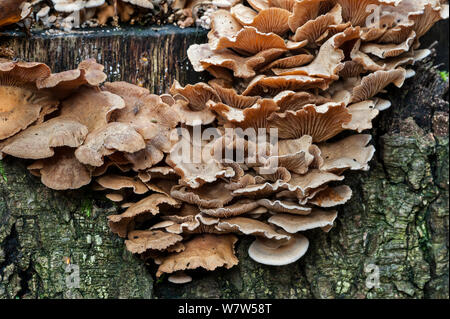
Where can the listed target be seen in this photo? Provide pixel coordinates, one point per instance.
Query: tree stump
(395, 228)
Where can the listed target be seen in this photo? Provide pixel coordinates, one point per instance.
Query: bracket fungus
(311, 70)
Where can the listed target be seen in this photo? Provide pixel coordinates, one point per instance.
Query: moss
(2, 172)
(444, 75)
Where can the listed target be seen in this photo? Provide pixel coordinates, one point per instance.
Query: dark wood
(153, 57)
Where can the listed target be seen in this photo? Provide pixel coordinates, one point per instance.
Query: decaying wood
(151, 57)
(395, 226)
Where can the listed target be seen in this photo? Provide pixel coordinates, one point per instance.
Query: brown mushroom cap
(302, 12)
(197, 94)
(312, 30)
(280, 206)
(250, 226)
(63, 171)
(294, 101)
(303, 184)
(140, 241)
(264, 85)
(250, 41)
(362, 115)
(91, 107)
(118, 182)
(206, 251)
(290, 62)
(239, 208)
(356, 10)
(106, 140)
(223, 24)
(321, 123)
(232, 99)
(389, 50)
(259, 5)
(196, 174)
(20, 102)
(62, 84)
(147, 207)
(207, 196)
(377, 81)
(242, 67)
(270, 20)
(294, 154)
(351, 152)
(327, 63)
(145, 112)
(294, 223)
(252, 117)
(38, 141)
(288, 253)
(200, 224)
(115, 197)
(192, 118)
(332, 196)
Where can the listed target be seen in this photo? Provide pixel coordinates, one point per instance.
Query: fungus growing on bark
(310, 69)
(274, 254)
(206, 251)
(21, 103)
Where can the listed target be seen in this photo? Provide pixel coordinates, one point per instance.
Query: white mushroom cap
(43, 12)
(179, 278)
(286, 254)
(141, 3)
(75, 5)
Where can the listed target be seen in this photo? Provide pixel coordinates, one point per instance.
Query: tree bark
(395, 226)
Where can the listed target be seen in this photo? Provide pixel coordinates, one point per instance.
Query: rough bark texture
(397, 220)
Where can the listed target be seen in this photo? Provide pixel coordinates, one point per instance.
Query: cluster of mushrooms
(310, 69)
(69, 14)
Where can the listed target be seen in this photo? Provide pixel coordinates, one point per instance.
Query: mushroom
(242, 67)
(310, 69)
(62, 84)
(141, 3)
(294, 223)
(117, 182)
(332, 196)
(39, 141)
(250, 226)
(239, 208)
(140, 241)
(266, 253)
(21, 102)
(106, 140)
(207, 196)
(196, 172)
(314, 29)
(179, 277)
(294, 101)
(206, 251)
(270, 20)
(328, 121)
(150, 206)
(349, 153)
(75, 5)
(62, 171)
